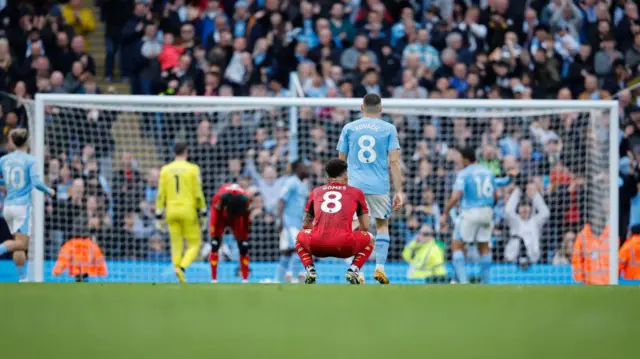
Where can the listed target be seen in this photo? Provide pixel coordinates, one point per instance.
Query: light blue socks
(459, 267)
(295, 266)
(22, 273)
(382, 249)
(485, 267)
(283, 263)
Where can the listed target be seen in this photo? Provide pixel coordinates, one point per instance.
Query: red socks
(305, 257)
(244, 266)
(361, 258)
(213, 260)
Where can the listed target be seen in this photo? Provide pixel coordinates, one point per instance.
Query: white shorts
(18, 218)
(379, 205)
(288, 238)
(476, 225)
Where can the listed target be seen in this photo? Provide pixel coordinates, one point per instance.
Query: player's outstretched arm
(395, 168)
(38, 183)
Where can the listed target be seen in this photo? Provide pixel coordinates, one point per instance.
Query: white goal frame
(36, 265)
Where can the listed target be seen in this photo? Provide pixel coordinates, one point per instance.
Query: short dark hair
(19, 137)
(371, 100)
(336, 168)
(296, 164)
(468, 153)
(180, 148)
(235, 204)
(370, 71)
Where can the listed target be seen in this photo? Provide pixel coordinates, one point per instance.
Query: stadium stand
(463, 49)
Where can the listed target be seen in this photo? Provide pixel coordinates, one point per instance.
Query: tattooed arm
(307, 221)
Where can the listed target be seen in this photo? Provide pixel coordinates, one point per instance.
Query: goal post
(308, 125)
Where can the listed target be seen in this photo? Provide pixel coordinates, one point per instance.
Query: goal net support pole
(38, 232)
(614, 208)
(454, 108)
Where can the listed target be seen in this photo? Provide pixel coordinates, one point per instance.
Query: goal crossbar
(62, 99)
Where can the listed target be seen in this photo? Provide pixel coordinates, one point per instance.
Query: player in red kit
(230, 208)
(328, 225)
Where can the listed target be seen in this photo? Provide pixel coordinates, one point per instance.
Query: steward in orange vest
(83, 258)
(590, 259)
(629, 256)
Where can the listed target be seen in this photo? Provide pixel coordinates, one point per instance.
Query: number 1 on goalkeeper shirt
(181, 201)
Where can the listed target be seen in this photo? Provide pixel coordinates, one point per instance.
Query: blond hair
(19, 137)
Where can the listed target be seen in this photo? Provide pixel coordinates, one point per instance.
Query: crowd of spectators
(462, 49)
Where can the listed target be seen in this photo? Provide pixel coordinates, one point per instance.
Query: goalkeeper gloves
(160, 223)
(203, 219)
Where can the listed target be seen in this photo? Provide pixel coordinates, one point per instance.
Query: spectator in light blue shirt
(428, 211)
(316, 87)
(427, 54)
(63, 187)
(240, 17)
(305, 30)
(398, 29)
(151, 188)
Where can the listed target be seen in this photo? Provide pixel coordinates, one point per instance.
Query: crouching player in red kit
(230, 208)
(327, 225)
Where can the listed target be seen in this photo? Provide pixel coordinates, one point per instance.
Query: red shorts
(239, 226)
(339, 245)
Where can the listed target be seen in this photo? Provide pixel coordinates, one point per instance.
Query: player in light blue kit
(290, 210)
(19, 176)
(371, 148)
(475, 185)
(472, 251)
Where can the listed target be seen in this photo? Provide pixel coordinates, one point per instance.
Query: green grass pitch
(142, 321)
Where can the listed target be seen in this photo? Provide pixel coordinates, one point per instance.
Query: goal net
(103, 154)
